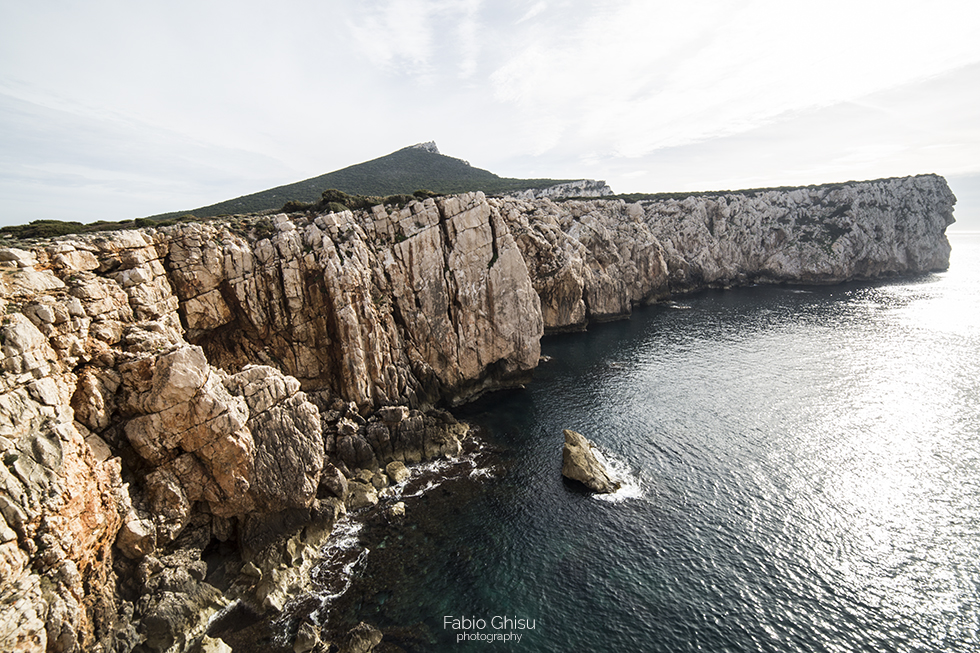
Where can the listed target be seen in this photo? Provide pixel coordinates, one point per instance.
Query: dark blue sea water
(802, 469)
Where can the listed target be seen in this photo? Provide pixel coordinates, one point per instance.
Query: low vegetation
(55, 228)
(749, 192)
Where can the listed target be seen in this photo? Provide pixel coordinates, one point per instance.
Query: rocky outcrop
(580, 188)
(361, 639)
(241, 384)
(139, 423)
(589, 261)
(594, 260)
(407, 306)
(821, 234)
(580, 463)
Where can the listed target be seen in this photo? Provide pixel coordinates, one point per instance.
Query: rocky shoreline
(186, 412)
(310, 616)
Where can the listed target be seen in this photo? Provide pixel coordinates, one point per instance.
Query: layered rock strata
(240, 385)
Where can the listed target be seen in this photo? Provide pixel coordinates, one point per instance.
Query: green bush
(399, 200)
(296, 206)
(43, 229)
(263, 230)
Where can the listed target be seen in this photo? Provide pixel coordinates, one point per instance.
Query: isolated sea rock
(579, 463)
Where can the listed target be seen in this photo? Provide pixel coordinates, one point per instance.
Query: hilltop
(405, 171)
(388, 179)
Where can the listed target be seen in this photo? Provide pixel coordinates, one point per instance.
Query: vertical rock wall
(408, 307)
(593, 260)
(154, 397)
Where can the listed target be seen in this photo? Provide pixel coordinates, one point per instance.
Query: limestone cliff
(593, 260)
(248, 380)
(580, 188)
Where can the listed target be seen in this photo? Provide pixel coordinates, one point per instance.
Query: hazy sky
(120, 109)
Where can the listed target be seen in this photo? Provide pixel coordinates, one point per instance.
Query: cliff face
(580, 188)
(156, 385)
(592, 260)
(236, 382)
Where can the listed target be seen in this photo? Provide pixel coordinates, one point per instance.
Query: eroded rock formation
(249, 381)
(593, 260)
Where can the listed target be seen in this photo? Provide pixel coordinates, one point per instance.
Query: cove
(801, 475)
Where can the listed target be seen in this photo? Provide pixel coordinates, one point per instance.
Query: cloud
(640, 76)
(408, 37)
(921, 127)
(396, 34)
(535, 10)
(188, 103)
(84, 152)
(468, 32)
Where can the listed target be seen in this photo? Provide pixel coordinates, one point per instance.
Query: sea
(800, 471)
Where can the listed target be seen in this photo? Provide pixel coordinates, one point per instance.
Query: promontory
(169, 391)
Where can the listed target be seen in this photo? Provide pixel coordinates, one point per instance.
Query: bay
(802, 473)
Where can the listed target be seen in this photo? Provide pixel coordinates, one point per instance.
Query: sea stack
(579, 463)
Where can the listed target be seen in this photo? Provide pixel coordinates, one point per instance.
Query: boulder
(579, 463)
(333, 481)
(362, 638)
(397, 471)
(361, 495)
(307, 638)
(137, 537)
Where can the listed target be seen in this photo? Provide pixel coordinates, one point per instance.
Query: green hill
(402, 172)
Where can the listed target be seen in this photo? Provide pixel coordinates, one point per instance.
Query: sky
(111, 110)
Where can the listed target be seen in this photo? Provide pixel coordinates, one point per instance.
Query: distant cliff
(238, 382)
(594, 260)
(580, 188)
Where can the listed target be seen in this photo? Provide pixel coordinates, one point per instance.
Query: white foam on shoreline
(341, 555)
(343, 537)
(442, 470)
(631, 486)
(344, 555)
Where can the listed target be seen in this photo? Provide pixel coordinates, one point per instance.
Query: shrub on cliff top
(337, 200)
(296, 206)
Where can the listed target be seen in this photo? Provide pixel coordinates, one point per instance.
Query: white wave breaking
(631, 486)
